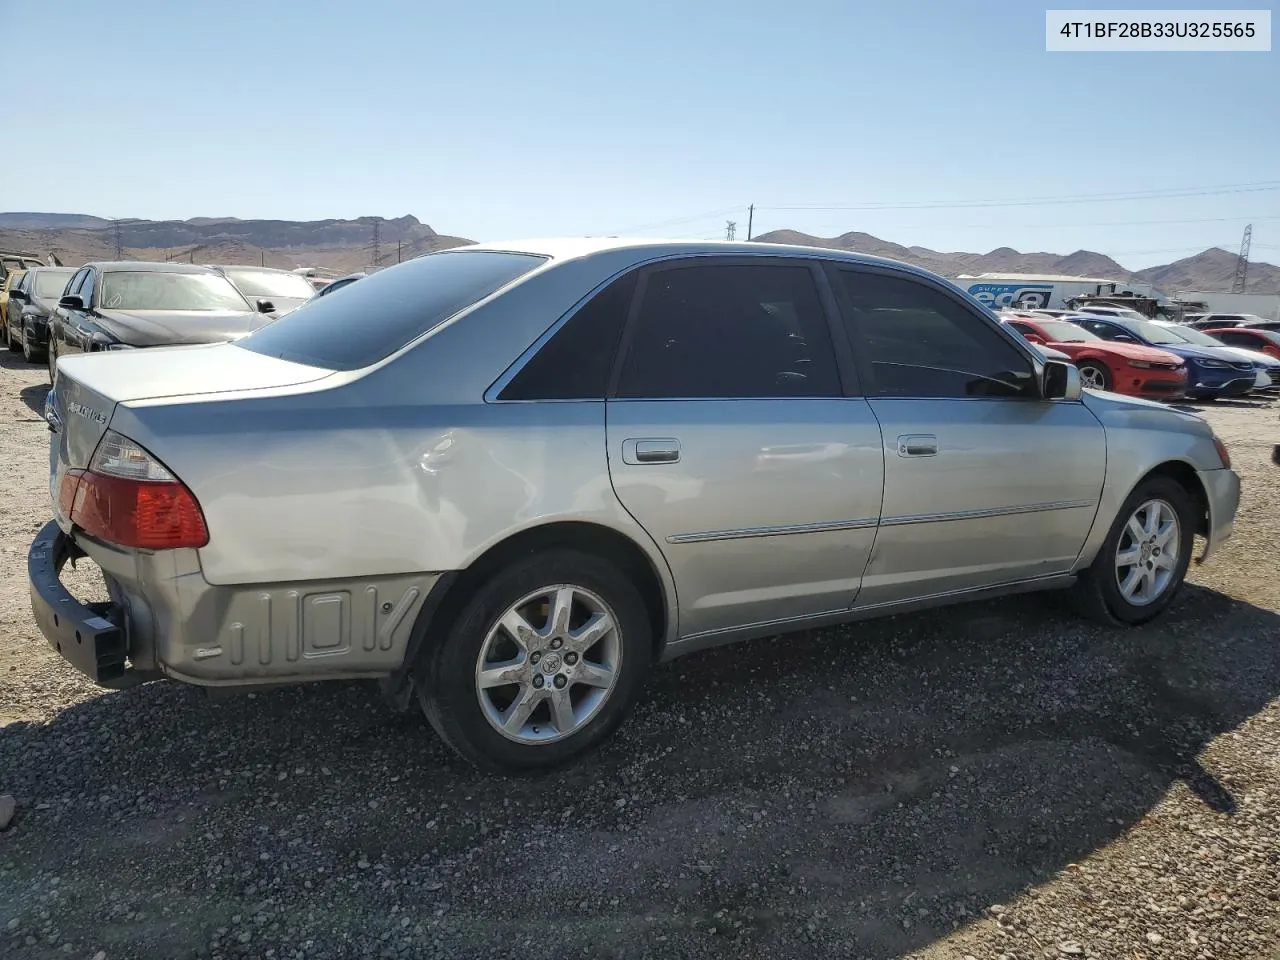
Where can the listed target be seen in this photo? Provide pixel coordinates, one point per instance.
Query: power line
(680, 220)
(1163, 194)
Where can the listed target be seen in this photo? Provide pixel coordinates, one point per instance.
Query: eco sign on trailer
(1035, 291)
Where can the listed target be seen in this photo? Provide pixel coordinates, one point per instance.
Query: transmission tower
(1242, 262)
(377, 240)
(730, 228)
(115, 225)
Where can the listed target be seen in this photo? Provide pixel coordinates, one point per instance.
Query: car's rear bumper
(89, 641)
(1222, 489)
(165, 619)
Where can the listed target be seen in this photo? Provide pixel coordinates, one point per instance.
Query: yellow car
(11, 279)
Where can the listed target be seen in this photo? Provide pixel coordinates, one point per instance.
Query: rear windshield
(380, 314)
(51, 283)
(270, 283)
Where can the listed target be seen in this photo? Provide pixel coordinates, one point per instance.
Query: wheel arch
(452, 590)
(1185, 475)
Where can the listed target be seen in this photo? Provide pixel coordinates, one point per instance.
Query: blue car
(1212, 372)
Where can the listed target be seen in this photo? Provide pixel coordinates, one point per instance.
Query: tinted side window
(918, 342)
(73, 285)
(576, 362)
(86, 288)
(732, 331)
(1023, 329)
(1102, 329)
(1237, 339)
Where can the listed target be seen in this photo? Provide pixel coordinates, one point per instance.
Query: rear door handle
(917, 445)
(666, 450)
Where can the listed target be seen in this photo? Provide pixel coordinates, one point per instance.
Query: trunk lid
(89, 387)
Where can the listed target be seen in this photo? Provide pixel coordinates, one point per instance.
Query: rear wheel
(1094, 375)
(1142, 563)
(542, 663)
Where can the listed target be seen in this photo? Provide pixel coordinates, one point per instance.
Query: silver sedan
(506, 479)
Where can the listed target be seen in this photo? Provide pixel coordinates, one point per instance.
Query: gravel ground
(996, 780)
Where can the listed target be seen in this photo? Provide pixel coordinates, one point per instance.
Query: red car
(1128, 368)
(1250, 338)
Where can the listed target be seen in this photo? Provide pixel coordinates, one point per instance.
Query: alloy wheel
(1148, 551)
(1093, 378)
(548, 664)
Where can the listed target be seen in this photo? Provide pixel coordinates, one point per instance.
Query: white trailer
(1033, 290)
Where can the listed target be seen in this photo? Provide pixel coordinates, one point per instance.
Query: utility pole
(751, 215)
(262, 257)
(730, 228)
(398, 251)
(115, 226)
(377, 240)
(1242, 262)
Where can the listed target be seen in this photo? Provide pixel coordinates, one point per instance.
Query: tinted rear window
(383, 312)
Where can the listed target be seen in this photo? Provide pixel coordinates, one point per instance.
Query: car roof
(148, 266)
(249, 266)
(572, 248)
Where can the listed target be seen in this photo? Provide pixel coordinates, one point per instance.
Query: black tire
(1100, 369)
(29, 353)
(1097, 591)
(51, 361)
(445, 674)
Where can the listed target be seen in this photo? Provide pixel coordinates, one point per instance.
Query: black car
(281, 290)
(120, 305)
(30, 304)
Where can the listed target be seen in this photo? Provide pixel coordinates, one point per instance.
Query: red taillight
(157, 513)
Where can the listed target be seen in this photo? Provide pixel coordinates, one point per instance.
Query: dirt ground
(995, 780)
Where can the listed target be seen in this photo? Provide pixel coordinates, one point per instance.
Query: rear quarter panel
(403, 468)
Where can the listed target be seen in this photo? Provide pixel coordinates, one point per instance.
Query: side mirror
(17, 295)
(265, 306)
(1060, 381)
(71, 302)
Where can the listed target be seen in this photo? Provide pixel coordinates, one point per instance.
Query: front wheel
(542, 663)
(1144, 559)
(1094, 376)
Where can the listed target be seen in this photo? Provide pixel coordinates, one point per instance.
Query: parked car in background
(333, 286)
(1248, 338)
(11, 279)
(279, 290)
(1268, 367)
(1127, 368)
(542, 466)
(1106, 311)
(120, 305)
(1212, 371)
(30, 305)
(1203, 321)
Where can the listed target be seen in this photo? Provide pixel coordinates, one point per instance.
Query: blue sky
(492, 119)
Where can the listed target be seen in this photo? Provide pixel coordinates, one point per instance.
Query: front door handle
(917, 445)
(646, 450)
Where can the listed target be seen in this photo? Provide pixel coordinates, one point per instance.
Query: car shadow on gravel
(857, 792)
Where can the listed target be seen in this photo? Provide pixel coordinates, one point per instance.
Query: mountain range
(348, 245)
(1210, 271)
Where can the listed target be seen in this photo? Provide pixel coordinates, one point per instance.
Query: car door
(733, 441)
(985, 482)
(77, 324)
